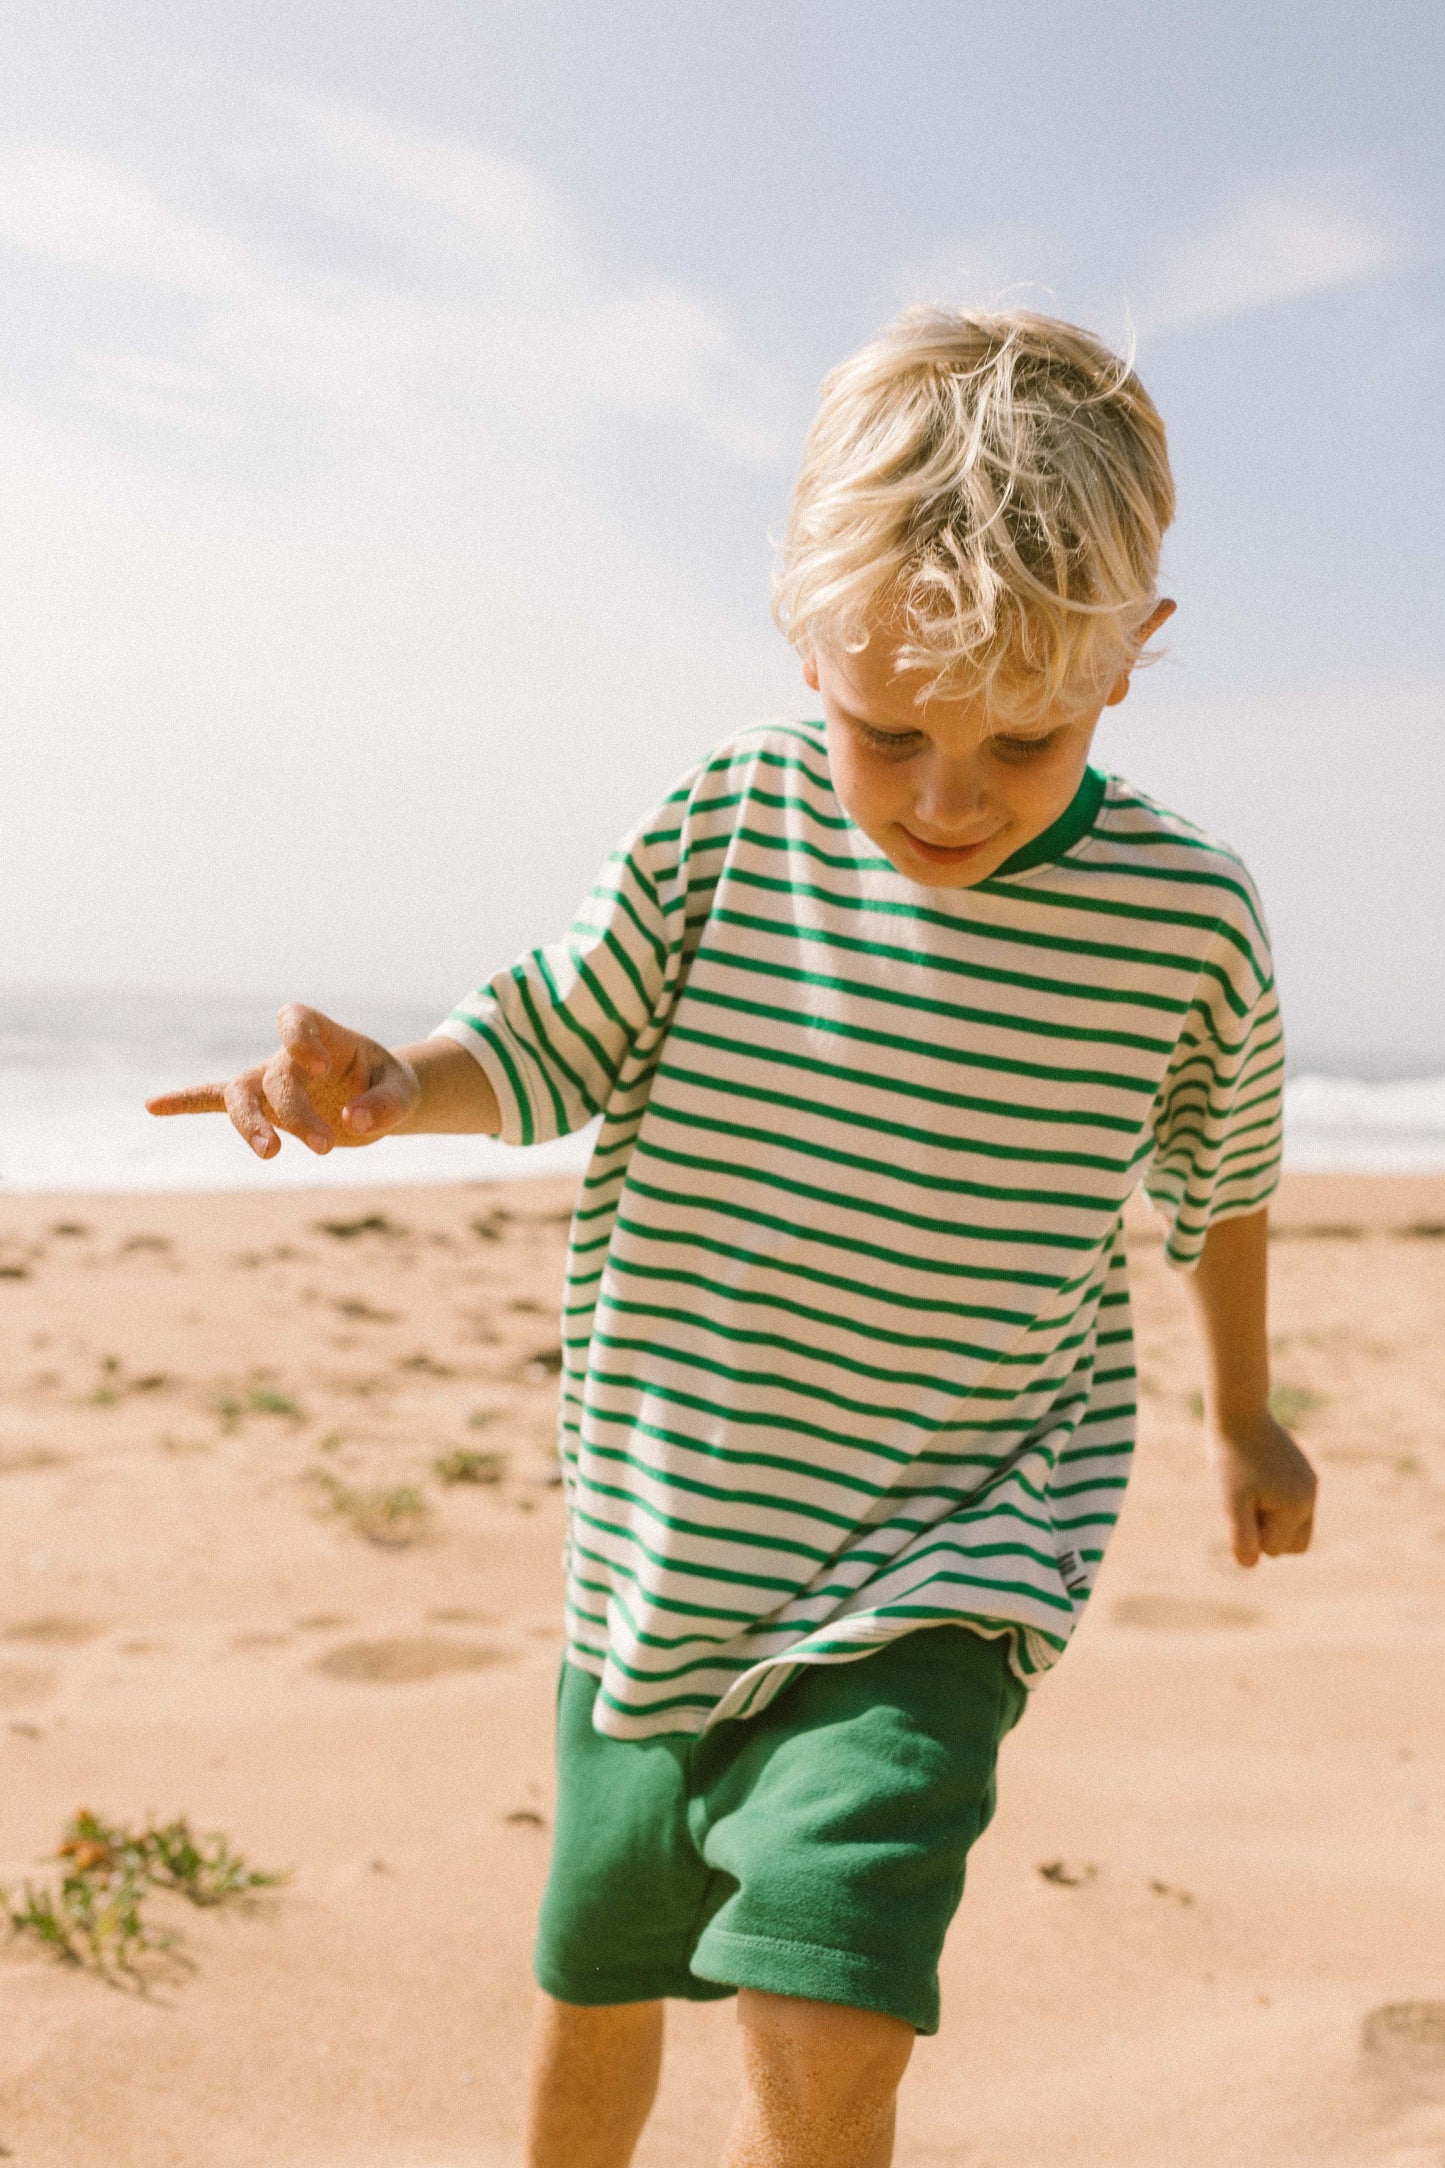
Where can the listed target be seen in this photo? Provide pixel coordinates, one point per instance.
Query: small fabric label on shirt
(1072, 1572)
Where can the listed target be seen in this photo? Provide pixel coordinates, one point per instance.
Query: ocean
(75, 1070)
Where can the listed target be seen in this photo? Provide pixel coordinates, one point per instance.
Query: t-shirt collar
(1077, 818)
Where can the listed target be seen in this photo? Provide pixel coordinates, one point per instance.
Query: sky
(396, 404)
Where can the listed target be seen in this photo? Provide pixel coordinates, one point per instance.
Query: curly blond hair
(990, 490)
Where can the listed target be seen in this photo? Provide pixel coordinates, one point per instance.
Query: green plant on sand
(466, 1464)
(392, 1518)
(95, 1916)
(257, 1400)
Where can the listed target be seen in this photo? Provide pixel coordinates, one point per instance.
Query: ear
(1161, 613)
(810, 668)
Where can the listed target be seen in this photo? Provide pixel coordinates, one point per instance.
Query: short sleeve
(1218, 1118)
(562, 1029)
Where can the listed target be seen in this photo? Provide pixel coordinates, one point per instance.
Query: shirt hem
(1030, 1654)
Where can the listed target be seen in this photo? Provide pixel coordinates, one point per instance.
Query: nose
(952, 799)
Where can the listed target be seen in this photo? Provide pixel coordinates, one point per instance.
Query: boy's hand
(324, 1084)
(1268, 1488)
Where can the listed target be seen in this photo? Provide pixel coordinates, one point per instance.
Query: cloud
(503, 199)
(566, 317)
(161, 392)
(508, 321)
(318, 554)
(1271, 247)
(88, 214)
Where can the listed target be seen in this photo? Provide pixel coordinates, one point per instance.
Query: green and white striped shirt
(848, 1344)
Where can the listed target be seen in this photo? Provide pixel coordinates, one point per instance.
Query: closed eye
(1018, 750)
(889, 741)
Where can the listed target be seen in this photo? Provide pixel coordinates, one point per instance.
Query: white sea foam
(75, 1072)
(1347, 1124)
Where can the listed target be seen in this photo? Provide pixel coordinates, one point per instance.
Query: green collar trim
(1077, 818)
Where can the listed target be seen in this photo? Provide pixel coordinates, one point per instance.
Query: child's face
(945, 796)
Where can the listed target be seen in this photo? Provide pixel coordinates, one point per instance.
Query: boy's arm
(329, 1085)
(456, 1093)
(1268, 1485)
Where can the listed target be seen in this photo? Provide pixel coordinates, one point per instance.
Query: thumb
(372, 1113)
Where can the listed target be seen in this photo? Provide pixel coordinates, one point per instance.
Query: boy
(884, 1018)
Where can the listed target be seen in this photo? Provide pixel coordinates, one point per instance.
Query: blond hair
(991, 489)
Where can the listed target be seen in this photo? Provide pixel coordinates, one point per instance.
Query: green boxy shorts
(816, 1849)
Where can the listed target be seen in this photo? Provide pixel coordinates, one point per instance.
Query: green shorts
(816, 1849)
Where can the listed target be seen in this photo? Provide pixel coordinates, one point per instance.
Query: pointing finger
(197, 1099)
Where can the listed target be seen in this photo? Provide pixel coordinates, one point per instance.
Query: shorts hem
(596, 1990)
(814, 1973)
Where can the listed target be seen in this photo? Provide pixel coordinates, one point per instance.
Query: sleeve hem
(1185, 1259)
(517, 1125)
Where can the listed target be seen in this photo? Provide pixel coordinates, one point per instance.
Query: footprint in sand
(30, 1459)
(402, 1662)
(54, 1633)
(21, 1684)
(1402, 2047)
(1188, 1614)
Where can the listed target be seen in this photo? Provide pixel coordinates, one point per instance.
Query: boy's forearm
(1229, 1287)
(456, 1095)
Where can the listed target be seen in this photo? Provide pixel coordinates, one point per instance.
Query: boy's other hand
(325, 1084)
(1268, 1487)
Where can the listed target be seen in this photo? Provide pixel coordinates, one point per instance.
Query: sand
(1218, 1853)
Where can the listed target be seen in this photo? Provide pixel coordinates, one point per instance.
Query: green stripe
(886, 1171)
(960, 966)
(982, 928)
(837, 1073)
(932, 1051)
(559, 1111)
(707, 1318)
(956, 1392)
(865, 990)
(760, 1260)
(953, 1230)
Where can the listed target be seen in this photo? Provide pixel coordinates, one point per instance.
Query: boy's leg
(821, 2083)
(619, 1917)
(594, 2075)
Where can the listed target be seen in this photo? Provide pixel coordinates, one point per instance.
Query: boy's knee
(823, 2055)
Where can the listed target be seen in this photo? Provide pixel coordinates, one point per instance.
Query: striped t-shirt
(847, 1333)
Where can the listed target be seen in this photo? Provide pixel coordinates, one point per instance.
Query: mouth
(950, 854)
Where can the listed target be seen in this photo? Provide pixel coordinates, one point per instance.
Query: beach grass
(392, 1516)
(94, 1915)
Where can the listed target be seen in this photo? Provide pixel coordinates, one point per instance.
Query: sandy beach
(279, 1552)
